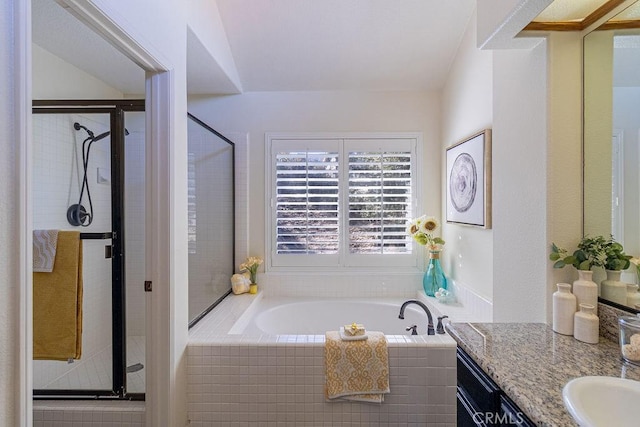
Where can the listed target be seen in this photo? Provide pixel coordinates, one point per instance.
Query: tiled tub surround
(278, 380)
(532, 364)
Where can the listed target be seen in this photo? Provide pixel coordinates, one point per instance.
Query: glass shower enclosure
(88, 182)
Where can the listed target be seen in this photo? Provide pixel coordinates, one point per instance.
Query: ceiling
(571, 15)
(290, 45)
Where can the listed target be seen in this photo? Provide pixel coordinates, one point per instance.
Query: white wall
(9, 225)
(519, 185)
(54, 78)
(534, 100)
(258, 112)
(467, 101)
(206, 25)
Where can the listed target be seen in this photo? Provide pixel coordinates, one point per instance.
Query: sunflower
(423, 230)
(430, 225)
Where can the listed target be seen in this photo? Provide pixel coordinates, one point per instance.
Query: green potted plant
(589, 253)
(616, 260)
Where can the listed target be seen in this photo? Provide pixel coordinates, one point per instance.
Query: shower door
(79, 153)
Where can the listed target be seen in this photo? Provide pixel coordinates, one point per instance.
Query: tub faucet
(430, 330)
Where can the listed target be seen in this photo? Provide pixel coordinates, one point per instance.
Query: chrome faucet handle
(412, 328)
(440, 327)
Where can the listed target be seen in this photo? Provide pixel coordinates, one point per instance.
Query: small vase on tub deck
(251, 266)
(434, 277)
(585, 289)
(613, 289)
(564, 308)
(586, 324)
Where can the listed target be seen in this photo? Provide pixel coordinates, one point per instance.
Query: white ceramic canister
(613, 289)
(585, 289)
(633, 296)
(586, 325)
(564, 307)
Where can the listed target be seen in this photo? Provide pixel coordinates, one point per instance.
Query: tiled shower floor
(95, 373)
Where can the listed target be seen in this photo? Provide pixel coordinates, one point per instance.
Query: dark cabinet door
(480, 401)
(512, 415)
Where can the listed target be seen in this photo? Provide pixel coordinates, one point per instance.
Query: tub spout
(430, 330)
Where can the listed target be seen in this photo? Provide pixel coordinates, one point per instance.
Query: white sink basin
(603, 401)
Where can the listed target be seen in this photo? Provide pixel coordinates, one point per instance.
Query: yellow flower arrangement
(251, 265)
(423, 229)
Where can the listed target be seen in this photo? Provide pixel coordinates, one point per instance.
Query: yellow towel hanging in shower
(57, 303)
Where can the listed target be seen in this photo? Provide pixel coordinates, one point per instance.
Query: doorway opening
(89, 179)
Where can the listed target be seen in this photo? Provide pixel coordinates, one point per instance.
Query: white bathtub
(295, 316)
(257, 359)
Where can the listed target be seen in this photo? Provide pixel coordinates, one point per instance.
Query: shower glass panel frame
(116, 110)
(211, 177)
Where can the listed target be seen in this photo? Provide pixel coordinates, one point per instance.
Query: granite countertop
(531, 363)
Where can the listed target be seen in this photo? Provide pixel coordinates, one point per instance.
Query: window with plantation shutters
(379, 201)
(307, 202)
(342, 202)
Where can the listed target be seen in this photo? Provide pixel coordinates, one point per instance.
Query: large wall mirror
(612, 133)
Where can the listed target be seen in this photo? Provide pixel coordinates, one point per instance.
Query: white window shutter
(342, 202)
(379, 202)
(306, 203)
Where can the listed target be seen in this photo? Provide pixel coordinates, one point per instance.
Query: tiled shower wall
(57, 176)
(57, 169)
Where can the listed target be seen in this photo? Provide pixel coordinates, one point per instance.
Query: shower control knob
(77, 215)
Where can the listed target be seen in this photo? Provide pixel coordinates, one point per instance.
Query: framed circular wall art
(469, 181)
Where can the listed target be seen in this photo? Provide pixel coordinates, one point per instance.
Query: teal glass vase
(434, 277)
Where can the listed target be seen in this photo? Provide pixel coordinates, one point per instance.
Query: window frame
(342, 261)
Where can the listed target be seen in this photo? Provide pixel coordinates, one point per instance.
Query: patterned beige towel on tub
(356, 370)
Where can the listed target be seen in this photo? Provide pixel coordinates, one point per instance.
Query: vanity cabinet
(480, 401)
